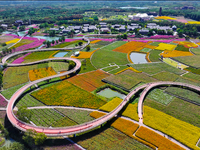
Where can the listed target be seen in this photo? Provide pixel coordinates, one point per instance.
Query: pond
(108, 93)
(60, 54)
(138, 58)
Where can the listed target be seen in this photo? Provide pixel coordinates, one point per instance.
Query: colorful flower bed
(40, 73)
(156, 139)
(3, 102)
(84, 55)
(6, 38)
(186, 44)
(174, 63)
(89, 81)
(20, 59)
(165, 18)
(180, 130)
(95, 41)
(175, 53)
(130, 46)
(67, 94)
(12, 41)
(193, 22)
(108, 40)
(160, 37)
(130, 68)
(163, 46)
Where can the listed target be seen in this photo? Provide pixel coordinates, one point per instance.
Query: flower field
(6, 38)
(156, 139)
(40, 73)
(29, 101)
(20, 59)
(59, 66)
(68, 42)
(130, 46)
(160, 37)
(12, 41)
(130, 68)
(165, 76)
(186, 44)
(3, 102)
(175, 53)
(67, 94)
(180, 130)
(192, 61)
(163, 46)
(63, 122)
(174, 63)
(193, 22)
(130, 111)
(95, 41)
(89, 81)
(128, 79)
(196, 51)
(108, 40)
(83, 55)
(165, 18)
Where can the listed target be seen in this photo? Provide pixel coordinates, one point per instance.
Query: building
(144, 31)
(160, 11)
(92, 28)
(104, 30)
(4, 26)
(86, 25)
(54, 29)
(66, 31)
(19, 22)
(174, 28)
(62, 27)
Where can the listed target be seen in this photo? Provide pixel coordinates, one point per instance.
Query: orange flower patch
(150, 46)
(186, 44)
(131, 46)
(154, 138)
(95, 41)
(83, 55)
(175, 53)
(89, 81)
(40, 73)
(147, 57)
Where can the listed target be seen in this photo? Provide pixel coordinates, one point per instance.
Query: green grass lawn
(63, 122)
(59, 66)
(192, 76)
(179, 109)
(86, 66)
(128, 79)
(78, 116)
(165, 76)
(110, 68)
(193, 70)
(159, 96)
(155, 43)
(29, 101)
(65, 44)
(107, 138)
(104, 56)
(154, 55)
(18, 75)
(35, 56)
(45, 117)
(153, 68)
(192, 61)
(196, 51)
(119, 69)
(145, 50)
(66, 94)
(182, 48)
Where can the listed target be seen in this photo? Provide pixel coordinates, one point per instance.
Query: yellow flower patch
(193, 22)
(154, 138)
(165, 18)
(130, 68)
(175, 53)
(186, 44)
(95, 41)
(174, 63)
(83, 55)
(40, 73)
(164, 46)
(13, 41)
(180, 130)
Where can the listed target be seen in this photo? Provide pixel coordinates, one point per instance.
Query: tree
(124, 36)
(39, 138)
(48, 43)
(88, 48)
(63, 38)
(52, 33)
(53, 42)
(71, 65)
(80, 43)
(24, 114)
(16, 146)
(187, 38)
(44, 42)
(118, 37)
(21, 28)
(3, 44)
(5, 66)
(56, 41)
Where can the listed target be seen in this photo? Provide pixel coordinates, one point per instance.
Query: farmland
(154, 55)
(56, 95)
(59, 66)
(189, 60)
(165, 76)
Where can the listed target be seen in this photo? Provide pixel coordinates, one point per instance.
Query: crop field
(99, 60)
(119, 69)
(174, 63)
(23, 42)
(175, 53)
(63, 122)
(67, 94)
(84, 55)
(155, 43)
(45, 117)
(18, 75)
(153, 68)
(59, 66)
(130, 111)
(164, 46)
(78, 116)
(97, 45)
(40, 73)
(108, 139)
(181, 131)
(156, 139)
(3, 102)
(159, 96)
(179, 109)
(86, 66)
(165, 76)
(2, 116)
(29, 101)
(145, 50)
(192, 61)
(196, 51)
(65, 44)
(154, 55)
(35, 56)
(192, 76)
(89, 81)
(182, 48)
(128, 79)
(95, 41)
(130, 46)
(193, 70)
(186, 44)
(6, 39)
